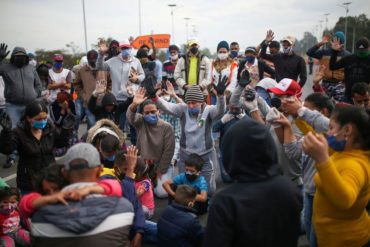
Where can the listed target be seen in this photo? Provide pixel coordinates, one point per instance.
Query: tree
(357, 27)
(307, 41)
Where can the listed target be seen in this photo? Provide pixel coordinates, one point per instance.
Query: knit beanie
(194, 94)
(223, 44)
(340, 36)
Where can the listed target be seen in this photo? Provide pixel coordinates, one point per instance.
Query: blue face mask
(151, 119)
(234, 54)
(250, 59)
(111, 158)
(39, 124)
(58, 65)
(193, 111)
(126, 53)
(335, 144)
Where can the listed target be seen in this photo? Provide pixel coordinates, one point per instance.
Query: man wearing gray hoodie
(22, 85)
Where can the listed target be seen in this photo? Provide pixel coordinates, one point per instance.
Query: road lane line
(8, 178)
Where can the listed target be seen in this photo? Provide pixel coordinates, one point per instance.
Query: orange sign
(160, 41)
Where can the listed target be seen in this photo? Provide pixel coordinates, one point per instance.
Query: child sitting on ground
(51, 181)
(191, 177)
(178, 225)
(11, 232)
(144, 188)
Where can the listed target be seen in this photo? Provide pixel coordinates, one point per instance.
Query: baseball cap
(251, 49)
(290, 39)
(287, 87)
(362, 44)
(85, 152)
(193, 41)
(58, 57)
(125, 44)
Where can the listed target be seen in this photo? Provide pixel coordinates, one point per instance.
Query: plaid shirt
(174, 121)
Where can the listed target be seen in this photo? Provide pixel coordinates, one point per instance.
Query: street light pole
(83, 10)
(140, 17)
(172, 6)
(345, 6)
(187, 19)
(326, 20)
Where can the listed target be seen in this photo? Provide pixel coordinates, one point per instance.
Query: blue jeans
(122, 122)
(81, 112)
(15, 113)
(310, 232)
(224, 175)
(150, 232)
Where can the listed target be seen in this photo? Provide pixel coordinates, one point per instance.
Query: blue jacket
(179, 226)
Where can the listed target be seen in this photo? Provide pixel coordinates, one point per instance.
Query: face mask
(193, 111)
(111, 158)
(234, 54)
(235, 112)
(222, 56)
(58, 65)
(286, 51)
(39, 124)
(174, 57)
(151, 119)
(126, 53)
(114, 51)
(7, 208)
(335, 144)
(190, 176)
(362, 54)
(194, 50)
(92, 64)
(20, 61)
(250, 59)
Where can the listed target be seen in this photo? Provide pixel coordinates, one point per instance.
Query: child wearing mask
(191, 177)
(178, 225)
(11, 233)
(144, 188)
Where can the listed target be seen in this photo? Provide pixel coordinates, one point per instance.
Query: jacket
(105, 125)
(231, 72)
(179, 226)
(86, 81)
(155, 142)
(323, 55)
(355, 70)
(261, 208)
(287, 66)
(262, 69)
(196, 133)
(203, 72)
(2, 98)
(119, 72)
(33, 154)
(94, 221)
(22, 85)
(99, 111)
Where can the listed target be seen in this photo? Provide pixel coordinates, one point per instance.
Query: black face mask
(194, 50)
(92, 64)
(191, 177)
(114, 51)
(20, 61)
(235, 113)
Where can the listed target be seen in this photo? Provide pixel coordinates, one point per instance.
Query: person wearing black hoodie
(107, 109)
(262, 207)
(22, 86)
(113, 50)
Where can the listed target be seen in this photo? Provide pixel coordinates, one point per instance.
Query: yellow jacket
(342, 193)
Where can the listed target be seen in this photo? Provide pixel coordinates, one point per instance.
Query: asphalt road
(9, 175)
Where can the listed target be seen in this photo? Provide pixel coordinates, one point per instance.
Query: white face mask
(174, 57)
(222, 56)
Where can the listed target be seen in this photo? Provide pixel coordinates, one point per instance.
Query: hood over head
(109, 99)
(19, 51)
(104, 124)
(249, 152)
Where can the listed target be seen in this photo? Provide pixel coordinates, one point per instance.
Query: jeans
(224, 175)
(81, 112)
(15, 113)
(207, 170)
(122, 109)
(150, 232)
(310, 232)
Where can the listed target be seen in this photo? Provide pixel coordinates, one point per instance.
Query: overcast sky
(51, 24)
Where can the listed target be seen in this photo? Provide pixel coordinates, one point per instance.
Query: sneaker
(9, 163)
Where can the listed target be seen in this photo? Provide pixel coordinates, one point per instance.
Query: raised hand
(139, 96)
(319, 74)
(336, 45)
(103, 48)
(151, 41)
(3, 51)
(244, 79)
(221, 85)
(269, 36)
(316, 146)
(170, 90)
(326, 38)
(131, 157)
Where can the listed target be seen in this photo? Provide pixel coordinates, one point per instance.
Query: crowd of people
(289, 165)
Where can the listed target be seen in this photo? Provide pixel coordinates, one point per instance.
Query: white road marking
(8, 178)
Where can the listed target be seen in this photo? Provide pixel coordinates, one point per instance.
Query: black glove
(3, 52)
(148, 84)
(5, 121)
(250, 94)
(221, 85)
(244, 79)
